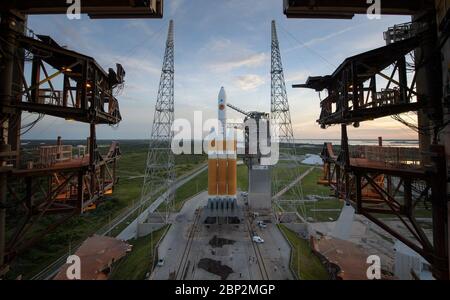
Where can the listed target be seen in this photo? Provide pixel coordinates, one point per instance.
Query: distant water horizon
(386, 142)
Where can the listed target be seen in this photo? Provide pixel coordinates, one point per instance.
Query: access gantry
(64, 84)
(391, 182)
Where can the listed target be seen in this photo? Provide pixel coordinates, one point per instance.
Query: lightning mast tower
(284, 134)
(279, 100)
(160, 167)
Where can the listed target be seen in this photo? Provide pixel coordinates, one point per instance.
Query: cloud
(249, 82)
(321, 39)
(220, 44)
(136, 65)
(367, 42)
(298, 77)
(142, 26)
(253, 60)
(224, 55)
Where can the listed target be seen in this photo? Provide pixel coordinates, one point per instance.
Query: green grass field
(306, 265)
(136, 264)
(309, 187)
(314, 213)
(189, 189)
(284, 173)
(242, 178)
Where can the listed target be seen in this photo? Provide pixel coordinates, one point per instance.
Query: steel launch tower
(284, 134)
(279, 101)
(160, 167)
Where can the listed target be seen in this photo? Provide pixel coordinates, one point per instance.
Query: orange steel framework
(57, 183)
(380, 181)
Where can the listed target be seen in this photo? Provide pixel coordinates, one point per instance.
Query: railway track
(259, 257)
(184, 262)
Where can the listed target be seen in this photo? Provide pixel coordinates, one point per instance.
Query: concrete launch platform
(194, 250)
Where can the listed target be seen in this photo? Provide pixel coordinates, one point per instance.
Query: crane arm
(238, 110)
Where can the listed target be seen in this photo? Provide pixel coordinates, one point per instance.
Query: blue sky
(217, 43)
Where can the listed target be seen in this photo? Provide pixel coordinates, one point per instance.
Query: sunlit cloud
(249, 82)
(251, 61)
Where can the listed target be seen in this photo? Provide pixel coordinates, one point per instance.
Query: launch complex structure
(59, 181)
(378, 181)
(389, 182)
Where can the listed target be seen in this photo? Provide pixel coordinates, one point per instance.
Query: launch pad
(195, 250)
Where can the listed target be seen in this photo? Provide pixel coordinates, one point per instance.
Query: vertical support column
(407, 196)
(373, 90)
(80, 196)
(35, 79)
(338, 180)
(3, 182)
(444, 138)
(114, 172)
(329, 175)
(66, 90)
(355, 96)
(7, 26)
(14, 127)
(358, 193)
(101, 184)
(429, 87)
(345, 160)
(84, 87)
(342, 101)
(439, 198)
(356, 92)
(58, 144)
(403, 80)
(92, 157)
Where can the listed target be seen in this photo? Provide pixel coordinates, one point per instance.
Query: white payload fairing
(222, 109)
(222, 156)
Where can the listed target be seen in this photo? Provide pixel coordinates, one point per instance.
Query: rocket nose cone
(222, 93)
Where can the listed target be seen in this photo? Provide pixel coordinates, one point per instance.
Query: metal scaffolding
(160, 167)
(382, 183)
(64, 84)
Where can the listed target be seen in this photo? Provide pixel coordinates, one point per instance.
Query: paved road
(275, 252)
(174, 243)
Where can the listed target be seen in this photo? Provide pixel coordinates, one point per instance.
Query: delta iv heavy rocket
(222, 156)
